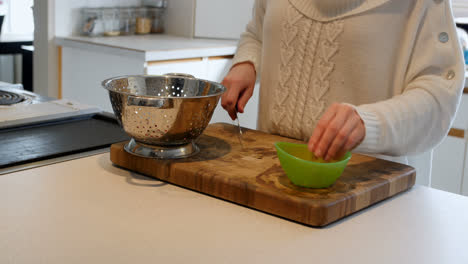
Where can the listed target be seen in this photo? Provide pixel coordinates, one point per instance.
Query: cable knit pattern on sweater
(307, 48)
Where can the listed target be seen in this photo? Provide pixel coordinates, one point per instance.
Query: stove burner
(9, 98)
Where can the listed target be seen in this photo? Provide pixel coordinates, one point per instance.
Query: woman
(374, 76)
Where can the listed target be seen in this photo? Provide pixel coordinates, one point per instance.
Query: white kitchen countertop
(154, 47)
(88, 211)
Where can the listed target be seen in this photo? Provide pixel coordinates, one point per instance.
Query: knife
(239, 136)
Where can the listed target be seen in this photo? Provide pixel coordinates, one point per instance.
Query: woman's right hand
(240, 83)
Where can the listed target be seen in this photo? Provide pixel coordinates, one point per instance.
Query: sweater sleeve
(249, 47)
(420, 117)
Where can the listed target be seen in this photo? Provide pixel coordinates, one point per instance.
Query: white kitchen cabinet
(461, 119)
(83, 70)
(448, 164)
(464, 185)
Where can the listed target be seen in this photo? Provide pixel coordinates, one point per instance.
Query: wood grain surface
(253, 177)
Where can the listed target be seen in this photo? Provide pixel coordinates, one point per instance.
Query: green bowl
(296, 161)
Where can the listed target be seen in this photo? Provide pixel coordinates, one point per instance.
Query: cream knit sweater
(397, 61)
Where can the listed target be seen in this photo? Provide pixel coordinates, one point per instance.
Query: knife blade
(239, 135)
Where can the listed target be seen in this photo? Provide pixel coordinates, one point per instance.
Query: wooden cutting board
(253, 177)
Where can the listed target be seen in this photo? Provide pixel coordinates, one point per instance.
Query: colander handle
(160, 103)
(175, 74)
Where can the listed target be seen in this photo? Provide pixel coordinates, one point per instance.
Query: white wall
(180, 17)
(222, 18)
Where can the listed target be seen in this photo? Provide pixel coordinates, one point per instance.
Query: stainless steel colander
(164, 114)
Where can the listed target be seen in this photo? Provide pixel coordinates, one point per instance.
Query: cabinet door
(84, 70)
(461, 118)
(464, 189)
(448, 165)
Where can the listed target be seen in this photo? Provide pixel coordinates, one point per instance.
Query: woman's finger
(355, 138)
(331, 131)
(341, 138)
(229, 99)
(244, 98)
(340, 154)
(321, 127)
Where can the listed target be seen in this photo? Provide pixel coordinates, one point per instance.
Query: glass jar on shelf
(157, 19)
(143, 21)
(92, 24)
(110, 18)
(127, 21)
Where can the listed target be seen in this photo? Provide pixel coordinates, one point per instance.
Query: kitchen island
(88, 211)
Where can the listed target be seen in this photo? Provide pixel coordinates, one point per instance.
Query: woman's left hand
(339, 130)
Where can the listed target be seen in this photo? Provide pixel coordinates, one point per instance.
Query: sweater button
(450, 75)
(443, 37)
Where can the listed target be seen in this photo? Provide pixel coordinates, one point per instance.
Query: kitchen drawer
(461, 118)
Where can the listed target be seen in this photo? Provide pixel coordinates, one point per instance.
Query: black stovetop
(13, 94)
(45, 140)
(22, 145)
